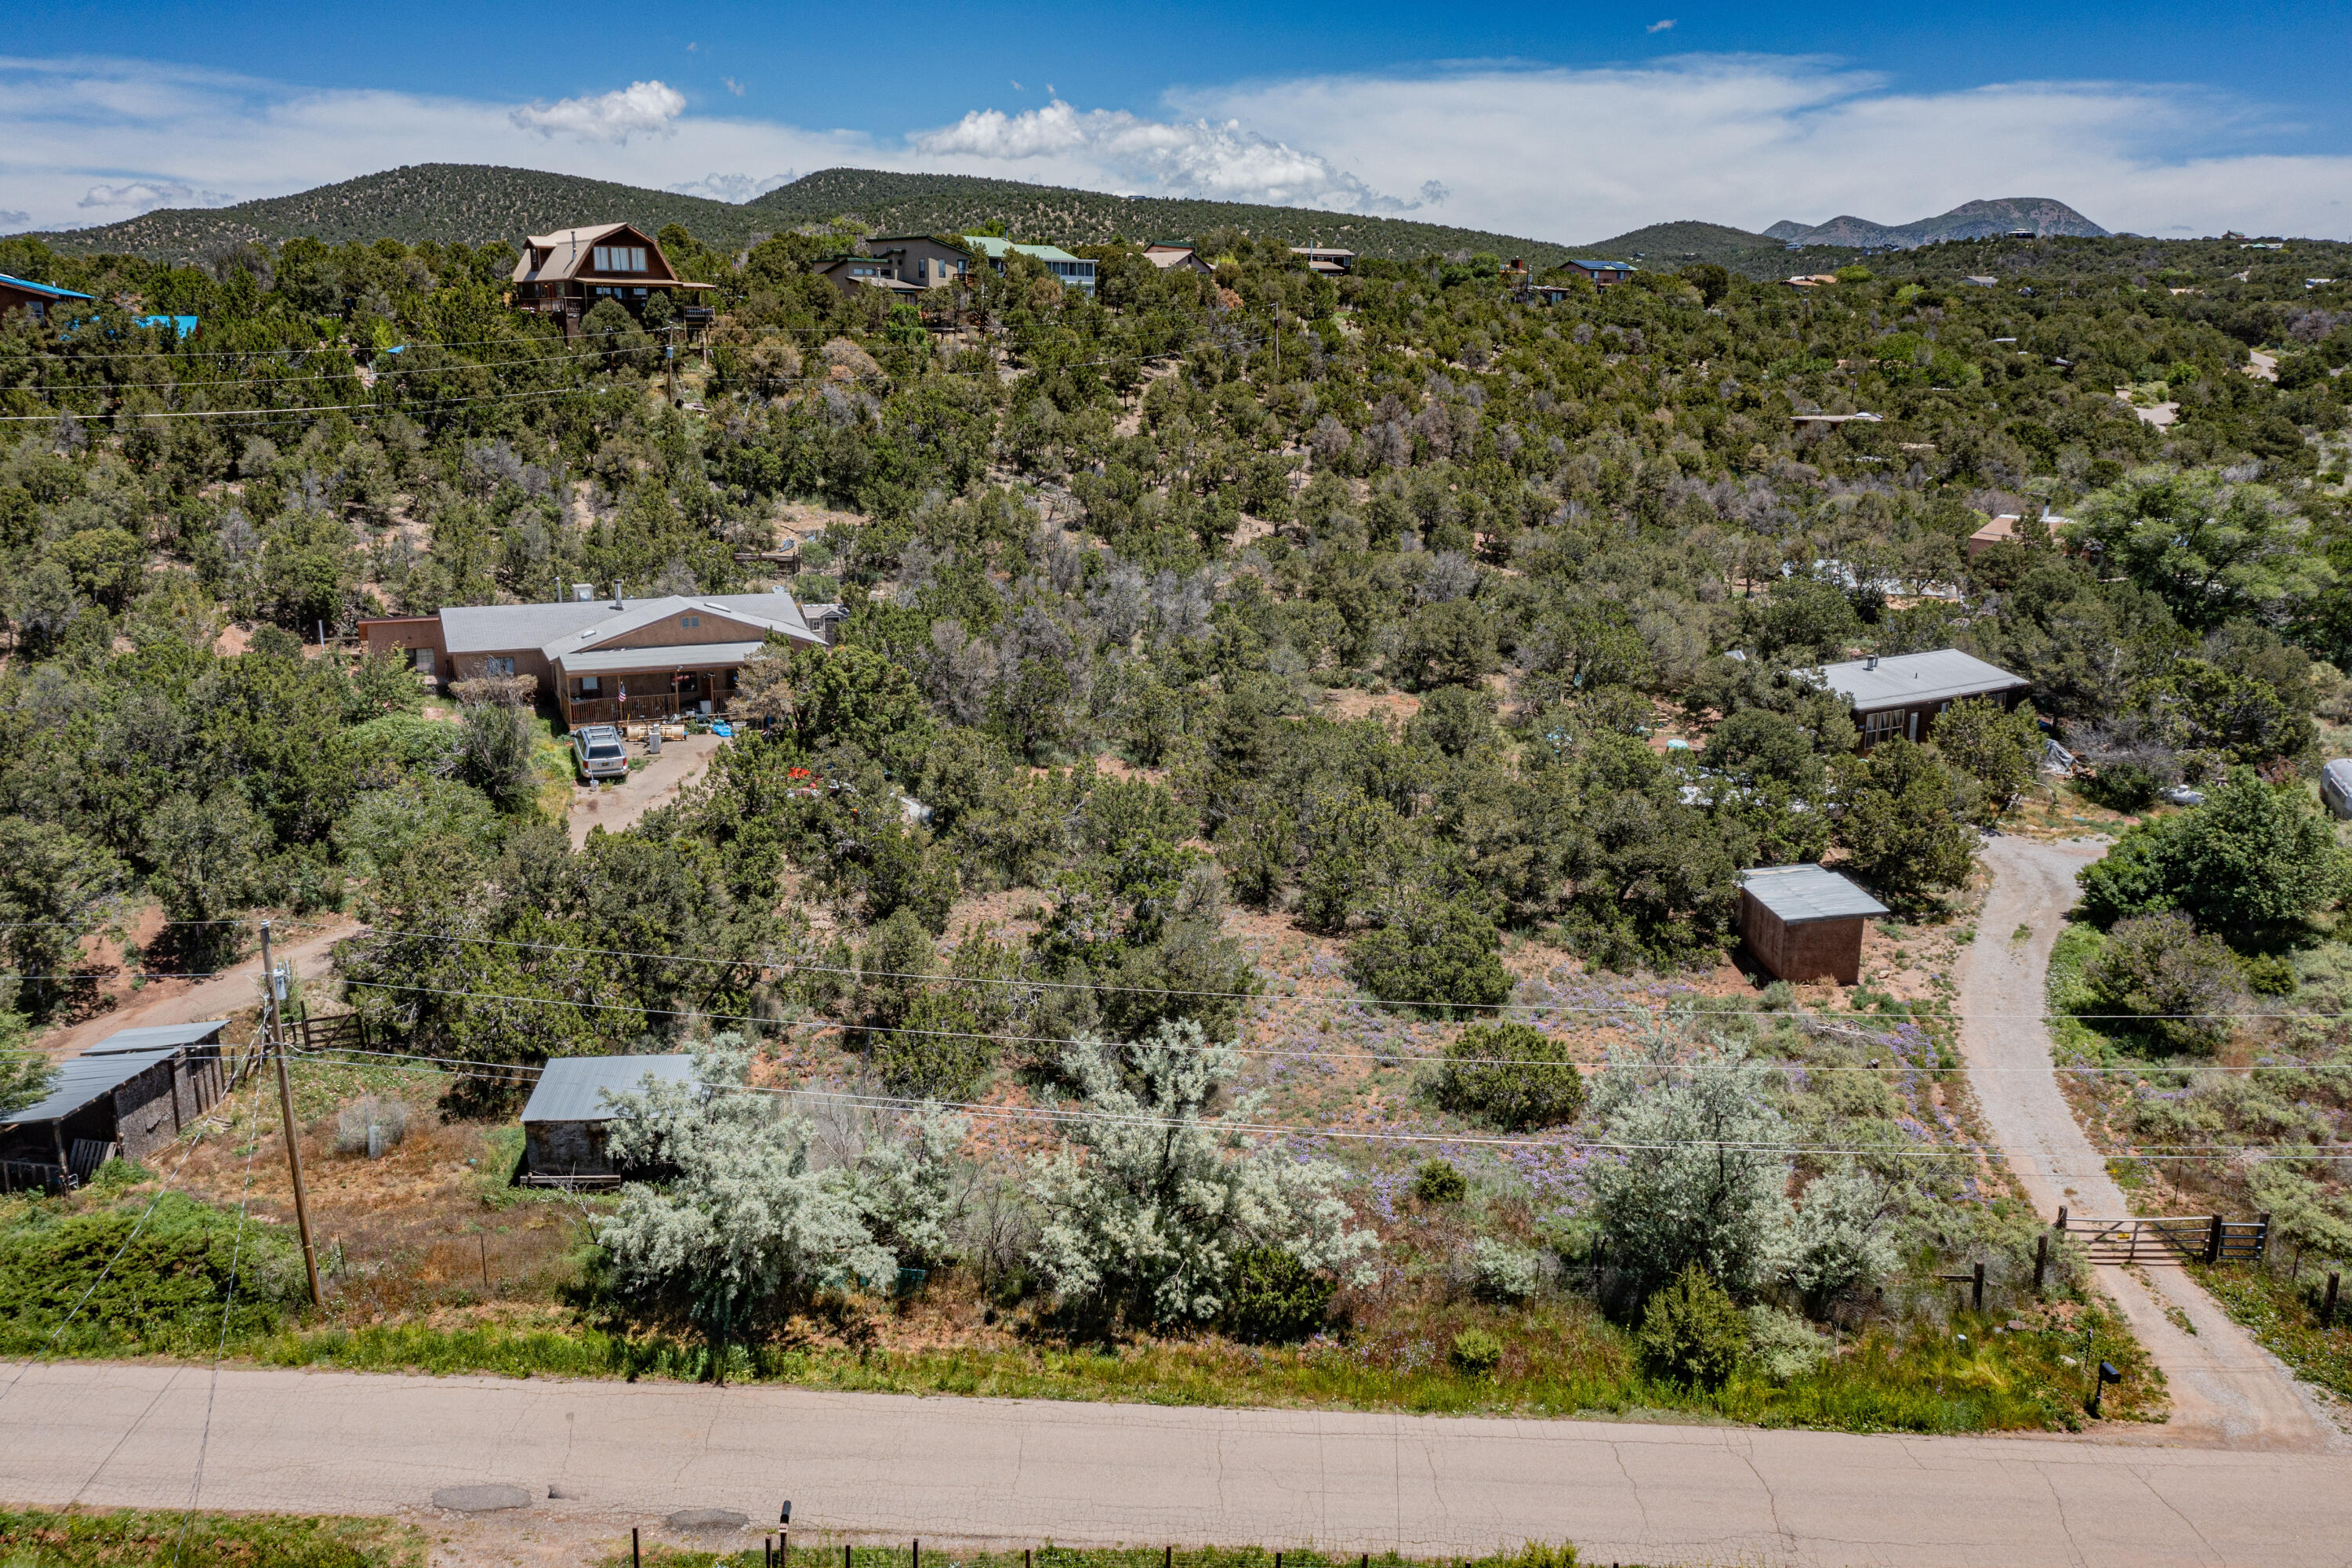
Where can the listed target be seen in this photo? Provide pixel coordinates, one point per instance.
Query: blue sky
(1563, 122)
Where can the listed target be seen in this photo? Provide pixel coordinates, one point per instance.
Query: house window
(690, 620)
(425, 661)
(588, 686)
(1882, 727)
(497, 666)
(601, 259)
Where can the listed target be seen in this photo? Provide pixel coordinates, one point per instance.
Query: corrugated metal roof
(572, 1088)
(158, 1036)
(1800, 893)
(82, 1080)
(628, 660)
(507, 628)
(1909, 680)
(995, 249)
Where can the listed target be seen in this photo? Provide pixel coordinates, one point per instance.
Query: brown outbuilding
(127, 1096)
(1803, 923)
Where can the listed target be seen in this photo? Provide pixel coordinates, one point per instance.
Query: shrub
(1437, 958)
(164, 1290)
(1505, 1272)
(370, 1125)
(1691, 1333)
(1782, 1345)
(1437, 1181)
(1511, 1075)
(2252, 858)
(2128, 787)
(1535, 1553)
(1275, 1299)
(2160, 970)
(1477, 1352)
(2270, 975)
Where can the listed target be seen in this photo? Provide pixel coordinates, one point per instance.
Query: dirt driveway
(657, 784)
(311, 949)
(2226, 1389)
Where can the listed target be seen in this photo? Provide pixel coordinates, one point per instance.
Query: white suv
(597, 749)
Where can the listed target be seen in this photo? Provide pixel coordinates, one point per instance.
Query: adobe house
(1803, 923)
(565, 274)
(606, 660)
(1901, 695)
(129, 1095)
(564, 1123)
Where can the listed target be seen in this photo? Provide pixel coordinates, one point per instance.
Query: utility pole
(272, 994)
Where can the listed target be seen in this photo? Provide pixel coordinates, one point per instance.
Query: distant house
(851, 273)
(1602, 274)
(1811, 280)
(1979, 281)
(565, 1120)
(1165, 255)
(924, 260)
(1550, 294)
(567, 273)
(127, 1096)
(1075, 272)
(22, 294)
(1862, 418)
(606, 660)
(1803, 923)
(1901, 695)
(1322, 259)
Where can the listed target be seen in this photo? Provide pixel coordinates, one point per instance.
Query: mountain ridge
(2044, 216)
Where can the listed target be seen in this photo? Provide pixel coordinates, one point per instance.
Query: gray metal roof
(572, 1088)
(630, 660)
(1910, 679)
(158, 1036)
(82, 1080)
(1801, 893)
(507, 628)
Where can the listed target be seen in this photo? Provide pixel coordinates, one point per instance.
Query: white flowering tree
(1153, 1195)
(738, 1218)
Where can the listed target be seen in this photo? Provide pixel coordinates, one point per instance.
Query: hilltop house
(1073, 271)
(1324, 259)
(924, 260)
(22, 294)
(1164, 255)
(1901, 695)
(607, 660)
(1601, 274)
(851, 273)
(565, 274)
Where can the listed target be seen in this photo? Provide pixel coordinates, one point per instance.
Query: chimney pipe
(616, 595)
(1870, 663)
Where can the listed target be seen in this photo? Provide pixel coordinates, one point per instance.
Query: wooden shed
(564, 1123)
(129, 1095)
(1803, 923)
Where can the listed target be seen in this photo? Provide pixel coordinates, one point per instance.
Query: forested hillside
(473, 205)
(1294, 739)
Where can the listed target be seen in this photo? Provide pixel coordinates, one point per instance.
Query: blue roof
(1610, 266)
(50, 290)
(181, 325)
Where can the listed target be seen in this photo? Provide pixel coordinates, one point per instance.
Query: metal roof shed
(564, 1121)
(129, 1095)
(1804, 922)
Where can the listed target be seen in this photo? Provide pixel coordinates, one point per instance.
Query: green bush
(1275, 1299)
(1512, 1076)
(167, 1290)
(2181, 986)
(1477, 1352)
(2121, 786)
(1691, 1333)
(1536, 1553)
(1437, 958)
(2270, 975)
(1437, 1181)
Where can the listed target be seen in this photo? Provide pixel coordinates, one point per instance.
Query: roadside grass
(1533, 1555)
(1563, 1360)
(34, 1537)
(2282, 1315)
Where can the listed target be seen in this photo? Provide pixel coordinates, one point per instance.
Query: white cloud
(731, 188)
(1666, 25)
(135, 196)
(1113, 149)
(12, 220)
(640, 109)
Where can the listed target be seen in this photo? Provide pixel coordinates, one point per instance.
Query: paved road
(1016, 1472)
(2225, 1388)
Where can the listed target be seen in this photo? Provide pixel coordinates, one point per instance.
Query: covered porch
(643, 688)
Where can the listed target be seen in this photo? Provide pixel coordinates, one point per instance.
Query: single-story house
(564, 1120)
(1075, 272)
(24, 294)
(1803, 923)
(1165, 254)
(1900, 695)
(1323, 259)
(1602, 274)
(851, 273)
(1978, 280)
(607, 660)
(1811, 280)
(129, 1095)
(924, 260)
(2001, 530)
(566, 273)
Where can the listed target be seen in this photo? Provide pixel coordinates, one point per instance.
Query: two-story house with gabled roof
(565, 274)
(606, 660)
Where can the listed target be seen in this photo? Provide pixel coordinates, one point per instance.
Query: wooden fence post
(1976, 1295)
(2041, 1259)
(2327, 1308)
(2213, 1241)
(2061, 1225)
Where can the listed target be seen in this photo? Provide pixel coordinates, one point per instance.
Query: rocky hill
(2042, 216)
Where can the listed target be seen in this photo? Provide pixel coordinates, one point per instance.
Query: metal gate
(2169, 1238)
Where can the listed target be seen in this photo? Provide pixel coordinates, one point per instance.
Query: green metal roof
(996, 249)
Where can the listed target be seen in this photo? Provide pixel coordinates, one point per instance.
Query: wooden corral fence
(2169, 1238)
(339, 1032)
